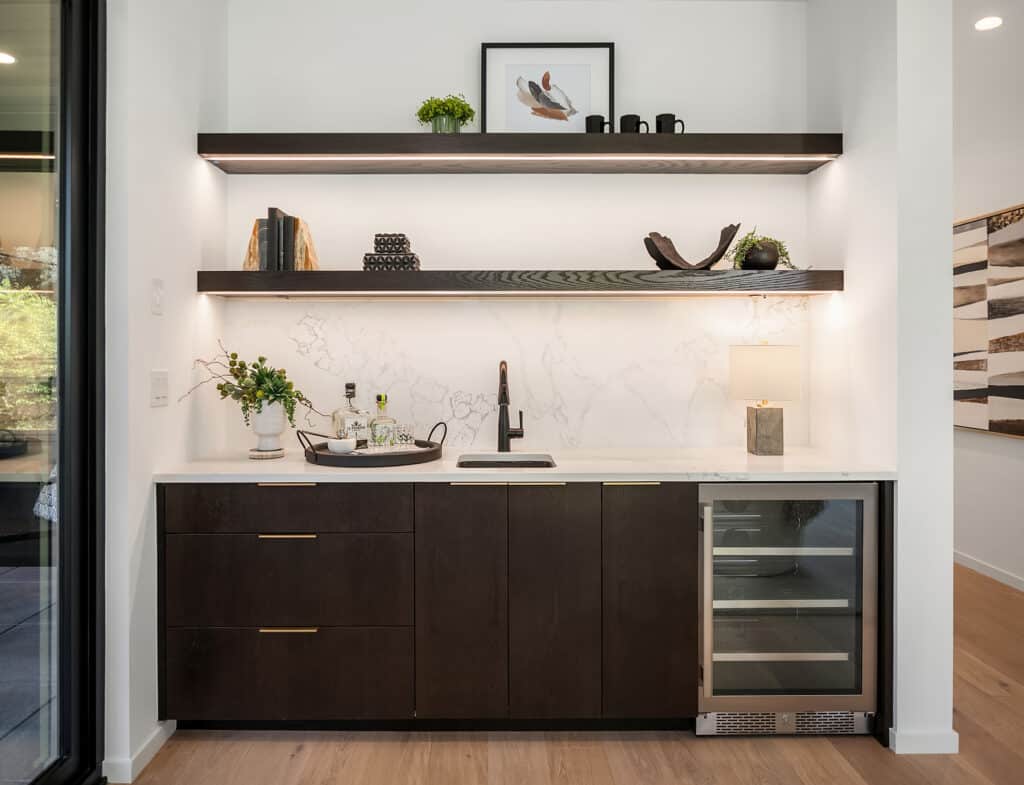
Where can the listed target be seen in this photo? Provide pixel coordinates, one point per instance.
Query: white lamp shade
(764, 373)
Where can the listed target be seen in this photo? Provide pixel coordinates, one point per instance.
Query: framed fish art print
(545, 88)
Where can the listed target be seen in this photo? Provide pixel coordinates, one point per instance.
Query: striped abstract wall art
(988, 323)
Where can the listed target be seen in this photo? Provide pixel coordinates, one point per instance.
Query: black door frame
(81, 163)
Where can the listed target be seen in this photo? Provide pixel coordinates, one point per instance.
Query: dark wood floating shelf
(530, 283)
(425, 153)
(26, 151)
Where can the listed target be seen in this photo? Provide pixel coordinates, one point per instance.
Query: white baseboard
(910, 743)
(124, 770)
(996, 573)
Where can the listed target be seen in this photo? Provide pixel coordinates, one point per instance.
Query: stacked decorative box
(391, 252)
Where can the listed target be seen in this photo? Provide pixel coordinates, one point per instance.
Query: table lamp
(764, 373)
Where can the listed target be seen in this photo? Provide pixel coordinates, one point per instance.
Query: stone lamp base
(764, 430)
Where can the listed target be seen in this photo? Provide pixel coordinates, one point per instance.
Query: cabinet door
(461, 601)
(248, 580)
(249, 508)
(236, 674)
(554, 584)
(651, 598)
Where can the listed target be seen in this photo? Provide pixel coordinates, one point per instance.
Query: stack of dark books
(391, 252)
(280, 243)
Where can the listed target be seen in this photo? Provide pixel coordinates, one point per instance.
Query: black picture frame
(485, 47)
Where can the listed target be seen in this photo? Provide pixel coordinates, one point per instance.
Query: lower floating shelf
(524, 283)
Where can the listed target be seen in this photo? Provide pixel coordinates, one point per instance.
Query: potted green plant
(265, 394)
(446, 115)
(760, 252)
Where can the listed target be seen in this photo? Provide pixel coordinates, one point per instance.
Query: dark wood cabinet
(461, 601)
(650, 602)
(231, 674)
(203, 508)
(247, 580)
(435, 601)
(286, 602)
(554, 584)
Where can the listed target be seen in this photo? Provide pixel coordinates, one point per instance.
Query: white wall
(367, 66)
(988, 112)
(573, 365)
(989, 176)
(27, 206)
(882, 213)
(164, 216)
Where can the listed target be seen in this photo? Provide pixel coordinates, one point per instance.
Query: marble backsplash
(588, 373)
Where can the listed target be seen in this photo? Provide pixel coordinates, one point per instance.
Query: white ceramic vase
(268, 425)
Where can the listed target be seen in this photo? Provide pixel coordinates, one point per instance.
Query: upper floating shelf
(527, 283)
(26, 151)
(425, 153)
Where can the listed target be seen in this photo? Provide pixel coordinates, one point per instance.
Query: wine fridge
(788, 608)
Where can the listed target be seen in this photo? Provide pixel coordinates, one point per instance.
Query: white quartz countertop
(680, 465)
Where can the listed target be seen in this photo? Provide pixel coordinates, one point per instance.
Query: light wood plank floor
(989, 715)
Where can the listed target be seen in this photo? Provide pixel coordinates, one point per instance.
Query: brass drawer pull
(478, 484)
(288, 630)
(537, 484)
(286, 484)
(287, 536)
(630, 483)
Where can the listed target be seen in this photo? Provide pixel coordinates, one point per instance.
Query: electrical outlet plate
(159, 385)
(156, 298)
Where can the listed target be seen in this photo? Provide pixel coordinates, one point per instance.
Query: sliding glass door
(49, 369)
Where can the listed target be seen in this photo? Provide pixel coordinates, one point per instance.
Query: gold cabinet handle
(537, 484)
(287, 536)
(286, 484)
(478, 484)
(630, 483)
(288, 630)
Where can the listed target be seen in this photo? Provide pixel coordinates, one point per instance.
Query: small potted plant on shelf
(446, 115)
(265, 394)
(760, 252)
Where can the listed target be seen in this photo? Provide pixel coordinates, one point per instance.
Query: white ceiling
(28, 88)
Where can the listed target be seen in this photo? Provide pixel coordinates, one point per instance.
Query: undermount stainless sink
(506, 460)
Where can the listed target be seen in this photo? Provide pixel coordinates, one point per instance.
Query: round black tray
(319, 454)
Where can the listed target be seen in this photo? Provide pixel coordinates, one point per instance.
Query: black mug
(630, 124)
(596, 123)
(666, 124)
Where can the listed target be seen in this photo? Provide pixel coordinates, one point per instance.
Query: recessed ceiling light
(7, 59)
(988, 23)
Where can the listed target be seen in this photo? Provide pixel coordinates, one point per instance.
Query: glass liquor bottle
(349, 420)
(382, 427)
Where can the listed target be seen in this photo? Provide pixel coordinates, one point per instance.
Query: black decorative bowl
(763, 256)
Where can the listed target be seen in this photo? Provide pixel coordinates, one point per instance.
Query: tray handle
(442, 424)
(307, 443)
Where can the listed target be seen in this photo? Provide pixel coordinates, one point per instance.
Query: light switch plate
(156, 297)
(159, 385)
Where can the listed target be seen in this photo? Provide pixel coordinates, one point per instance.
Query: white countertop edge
(688, 465)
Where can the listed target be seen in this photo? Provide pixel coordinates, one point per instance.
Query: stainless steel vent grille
(825, 722)
(772, 723)
(740, 723)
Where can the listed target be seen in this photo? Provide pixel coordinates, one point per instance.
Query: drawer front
(245, 580)
(252, 508)
(330, 674)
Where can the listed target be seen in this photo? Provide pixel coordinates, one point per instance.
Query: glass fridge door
(788, 597)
